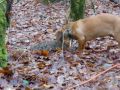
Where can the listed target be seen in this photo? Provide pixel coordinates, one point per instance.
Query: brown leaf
(41, 52)
(13, 23)
(41, 65)
(37, 2)
(90, 64)
(9, 14)
(47, 86)
(17, 54)
(43, 80)
(58, 50)
(44, 52)
(6, 71)
(27, 88)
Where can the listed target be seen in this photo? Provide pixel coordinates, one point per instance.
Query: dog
(89, 28)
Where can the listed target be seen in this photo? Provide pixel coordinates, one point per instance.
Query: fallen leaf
(41, 52)
(17, 54)
(90, 64)
(43, 81)
(47, 86)
(6, 71)
(27, 88)
(44, 52)
(41, 65)
(13, 23)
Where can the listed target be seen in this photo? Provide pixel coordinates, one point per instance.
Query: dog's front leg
(81, 42)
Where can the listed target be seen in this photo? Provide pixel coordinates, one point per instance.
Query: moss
(77, 9)
(3, 57)
(51, 1)
(3, 26)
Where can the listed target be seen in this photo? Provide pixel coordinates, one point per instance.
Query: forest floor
(33, 23)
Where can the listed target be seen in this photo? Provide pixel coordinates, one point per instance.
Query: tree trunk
(3, 27)
(77, 9)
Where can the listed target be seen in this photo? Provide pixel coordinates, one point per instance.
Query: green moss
(77, 9)
(3, 58)
(51, 1)
(3, 26)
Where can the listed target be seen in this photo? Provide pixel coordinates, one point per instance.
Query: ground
(33, 23)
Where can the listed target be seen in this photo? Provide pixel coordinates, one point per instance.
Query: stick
(96, 76)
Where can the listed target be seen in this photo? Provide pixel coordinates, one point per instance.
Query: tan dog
(95, 26)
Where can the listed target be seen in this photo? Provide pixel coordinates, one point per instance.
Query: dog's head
(66, 31)
(66, 35)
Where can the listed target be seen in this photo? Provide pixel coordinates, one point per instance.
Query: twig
(96, 76)
(66, 22)
(93, 6)
(63, 45)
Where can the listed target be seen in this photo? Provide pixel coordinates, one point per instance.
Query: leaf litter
(32, 24)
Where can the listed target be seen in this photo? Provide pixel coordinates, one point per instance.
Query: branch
(96, 76)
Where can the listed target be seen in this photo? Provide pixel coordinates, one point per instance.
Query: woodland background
(34, 24)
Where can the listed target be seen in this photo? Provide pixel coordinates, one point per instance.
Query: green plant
(3, 26)
(77, 9)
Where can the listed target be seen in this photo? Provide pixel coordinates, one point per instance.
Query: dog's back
(95, 26)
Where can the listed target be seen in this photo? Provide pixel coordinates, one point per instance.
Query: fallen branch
(96, 76)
